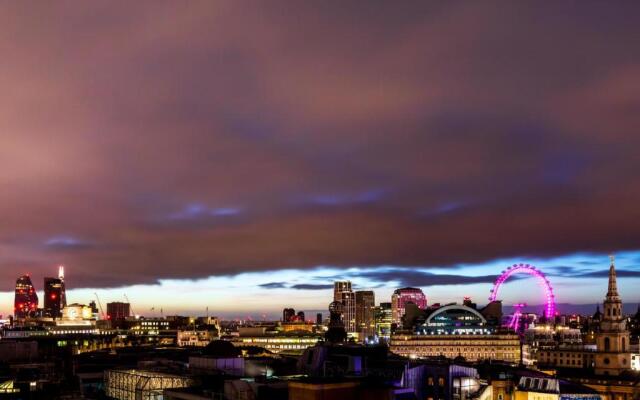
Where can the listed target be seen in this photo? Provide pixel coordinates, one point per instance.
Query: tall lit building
(339, 287)
(405, 295)
(383, 320)
(118, 310)
(26, 298)
(613, 355)
(63, 292)
(343, 293)
(53, 292)
(365, 313)
(349, 314)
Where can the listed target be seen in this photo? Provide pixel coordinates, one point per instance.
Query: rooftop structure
(140, 384)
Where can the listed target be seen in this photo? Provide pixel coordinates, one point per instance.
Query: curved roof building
(455, 319)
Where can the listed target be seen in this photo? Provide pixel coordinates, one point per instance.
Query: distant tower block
(63, 291)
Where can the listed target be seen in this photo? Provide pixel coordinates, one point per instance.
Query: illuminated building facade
(442, 381)
(140, 384)
(26, 298)
(566, 357)
(498, 347)
(558, 347)
(339, 287)
(297, 326)
(285, 342)
(149, 326)
(63, 291)
(455, 319)
(53, 292)
(405, 295)
(195, 338)
(365, 313)
(76, 311)
(453, 331)
(349, 314)
(383, 320)
(635, 361)
(343, 293)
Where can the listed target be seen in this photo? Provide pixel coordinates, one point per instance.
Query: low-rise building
(276, 341)
(195, 338)
(141, 384)
(498, 347)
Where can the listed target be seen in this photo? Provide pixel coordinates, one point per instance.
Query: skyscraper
(349, 314)
(402, 296)
(343, 293)
(613, 355)
(339, 287)
(63, 292)
(26, 298)
(53, 292)
(288, 315)
(365, 313)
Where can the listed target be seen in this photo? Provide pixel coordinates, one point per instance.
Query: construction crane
(100, 305)
(130, 306)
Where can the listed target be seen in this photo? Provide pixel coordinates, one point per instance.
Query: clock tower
(613, 354)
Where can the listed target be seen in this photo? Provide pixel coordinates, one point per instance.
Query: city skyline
(329, 199)
(232, 297)
(245, 155)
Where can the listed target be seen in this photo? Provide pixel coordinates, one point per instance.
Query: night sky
(242, 155)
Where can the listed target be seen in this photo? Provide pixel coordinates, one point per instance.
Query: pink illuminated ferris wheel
(549, 298)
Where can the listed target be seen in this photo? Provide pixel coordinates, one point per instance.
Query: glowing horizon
(267, 293)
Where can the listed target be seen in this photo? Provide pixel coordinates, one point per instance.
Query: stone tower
(613, 354)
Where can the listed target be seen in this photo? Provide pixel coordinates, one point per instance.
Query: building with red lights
(53, 297)
(26, 298)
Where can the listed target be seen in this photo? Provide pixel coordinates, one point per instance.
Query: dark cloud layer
(408, 277)
(146, 140)
(605, 273)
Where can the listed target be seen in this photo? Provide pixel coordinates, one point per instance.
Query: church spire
(612, 293)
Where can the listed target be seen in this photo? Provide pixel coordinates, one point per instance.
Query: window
(624, 344)
(607, 346)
